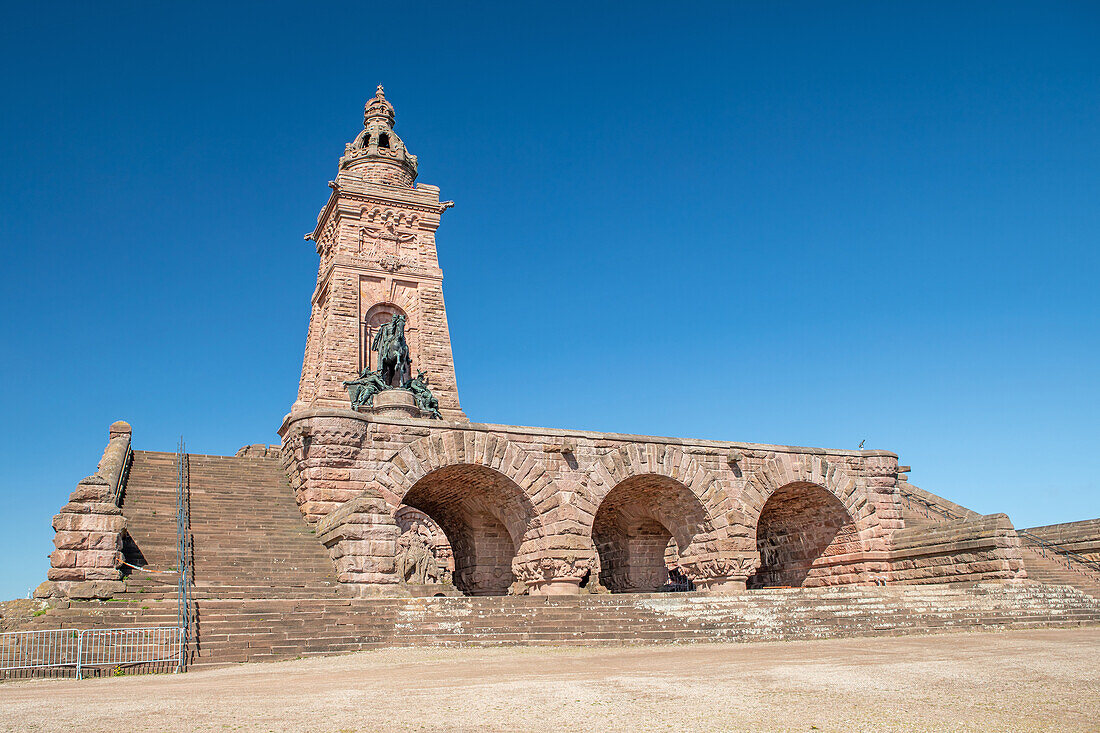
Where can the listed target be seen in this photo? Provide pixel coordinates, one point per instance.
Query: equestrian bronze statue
(394, 365)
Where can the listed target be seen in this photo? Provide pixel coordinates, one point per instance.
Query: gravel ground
(1041, 680)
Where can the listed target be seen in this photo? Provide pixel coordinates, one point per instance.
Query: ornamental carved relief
(701, 568)
(390, 247)
(546, 569)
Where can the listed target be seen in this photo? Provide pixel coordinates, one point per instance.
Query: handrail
(183, 549)
(1072, 560)
(942, 511)
(123, 475)
(1047, 549)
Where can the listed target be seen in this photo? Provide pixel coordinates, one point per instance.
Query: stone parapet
(89, 529)
(362, 539)
(962, 550)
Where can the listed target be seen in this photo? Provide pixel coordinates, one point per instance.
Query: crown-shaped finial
(378, 107)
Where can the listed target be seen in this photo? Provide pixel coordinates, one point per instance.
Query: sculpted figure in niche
(424, 398)
(416, 564)
(362, 390)
(393, 352)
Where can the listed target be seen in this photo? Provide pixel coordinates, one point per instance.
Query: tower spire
(378, 147)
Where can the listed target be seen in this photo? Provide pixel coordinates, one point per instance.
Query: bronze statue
(362, 390)
(393, 352)
(425, 400)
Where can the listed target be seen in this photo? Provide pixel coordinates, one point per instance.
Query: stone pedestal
(721, 585)
(395, 403)
(556, 587)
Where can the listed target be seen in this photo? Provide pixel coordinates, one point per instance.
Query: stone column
(555, 565)
(719, 573)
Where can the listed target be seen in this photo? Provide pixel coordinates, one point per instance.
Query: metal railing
(1049, 550)
(117, 647)
(927, 508)
(1069, 558)
(89, 648)
(123, 475)
(183, 547)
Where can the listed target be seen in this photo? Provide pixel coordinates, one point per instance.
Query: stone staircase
(1047, 570)
(230, 630)
(249, 539)
(1038, 565)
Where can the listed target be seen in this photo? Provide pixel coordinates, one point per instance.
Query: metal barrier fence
(84, 648)
(183, 545)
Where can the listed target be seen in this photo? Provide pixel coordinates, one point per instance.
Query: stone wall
(1082, 538)
(523, 503)
(961, 550)
(88, 529)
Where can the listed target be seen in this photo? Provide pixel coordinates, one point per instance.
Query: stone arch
(486, 518)
(806, 537)
(635, 459)
(444, 448)
(641, 520)
(784, 469)
(437, 471)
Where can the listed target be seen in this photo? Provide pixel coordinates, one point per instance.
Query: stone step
(248, 536)
(227, 631)
(1047, 570)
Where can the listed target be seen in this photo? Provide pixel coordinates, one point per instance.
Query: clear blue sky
(804, 223)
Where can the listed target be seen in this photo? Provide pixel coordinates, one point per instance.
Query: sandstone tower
(376, 241)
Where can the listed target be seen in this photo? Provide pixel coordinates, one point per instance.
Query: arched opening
(377, 316)
(640, 530)
(802, 534)
(383, 140)
(484, 516)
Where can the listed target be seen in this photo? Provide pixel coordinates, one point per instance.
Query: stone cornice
(325, 212)
(410, 273)
(716, 445)
(340, 193)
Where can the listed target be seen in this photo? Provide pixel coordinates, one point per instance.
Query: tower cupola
(377, 153)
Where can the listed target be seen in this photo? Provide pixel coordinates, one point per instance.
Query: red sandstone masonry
(552, 484)
(233, 630)
(88, 538)
(1082, 538)
(376, 243)
(963, 550)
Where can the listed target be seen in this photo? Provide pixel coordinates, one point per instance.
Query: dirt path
(1042, 680)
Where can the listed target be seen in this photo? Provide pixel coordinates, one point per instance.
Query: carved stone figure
(424, 399)
(416, 564)
(362, 390)
(393, 351)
